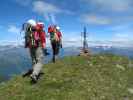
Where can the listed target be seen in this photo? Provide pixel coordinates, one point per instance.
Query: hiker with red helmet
(56, 40)
(35, 40)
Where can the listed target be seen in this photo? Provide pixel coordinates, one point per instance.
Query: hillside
(100, 77)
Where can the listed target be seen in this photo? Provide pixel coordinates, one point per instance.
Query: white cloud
(126, 28)
(43, 7)
(23, 2)
(13, 29)
(115, 5)
(108, 44)
(11, 42)
(71, 40)
(111, 5)
(122, 32)
(95, 19)
(75, 40)
(122, 37)
(48, 10)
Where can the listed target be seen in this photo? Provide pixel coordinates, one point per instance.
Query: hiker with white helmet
(35, 40)
(56, 40)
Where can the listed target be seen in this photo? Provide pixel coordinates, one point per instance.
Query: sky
(105, 20)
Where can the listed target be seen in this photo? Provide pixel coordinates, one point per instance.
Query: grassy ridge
(100, 77)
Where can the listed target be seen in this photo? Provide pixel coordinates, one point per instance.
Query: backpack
(53, 33)
(29, 35)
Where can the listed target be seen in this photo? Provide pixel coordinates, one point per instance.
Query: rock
(130, 90)
(85, 53)
(120, 67)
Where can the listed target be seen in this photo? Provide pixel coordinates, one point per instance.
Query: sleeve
(43, 39)
(59, 34)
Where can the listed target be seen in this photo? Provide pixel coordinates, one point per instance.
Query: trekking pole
(22, 30)
(60, 43)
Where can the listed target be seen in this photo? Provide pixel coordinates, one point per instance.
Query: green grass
(100, 77)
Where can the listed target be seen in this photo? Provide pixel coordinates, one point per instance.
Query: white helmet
(41, 23)
(57, 27)
(31, 22)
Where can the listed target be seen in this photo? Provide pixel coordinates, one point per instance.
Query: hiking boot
(33, 79)
(27, 73)
(46, 53)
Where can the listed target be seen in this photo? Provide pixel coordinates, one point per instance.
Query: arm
(60, 37)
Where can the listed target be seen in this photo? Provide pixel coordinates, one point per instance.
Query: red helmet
(40, 26)
(51, 28)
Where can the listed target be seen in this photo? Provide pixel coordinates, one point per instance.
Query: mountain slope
(100, 77)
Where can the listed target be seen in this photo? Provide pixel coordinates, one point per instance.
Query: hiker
(56, 40)
(35, 41)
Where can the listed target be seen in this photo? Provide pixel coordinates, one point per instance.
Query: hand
(45, 52)
(43, 45)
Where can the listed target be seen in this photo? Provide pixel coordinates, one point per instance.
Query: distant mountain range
(15, 59)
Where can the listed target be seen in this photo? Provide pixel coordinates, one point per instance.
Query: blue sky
(106, 20)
